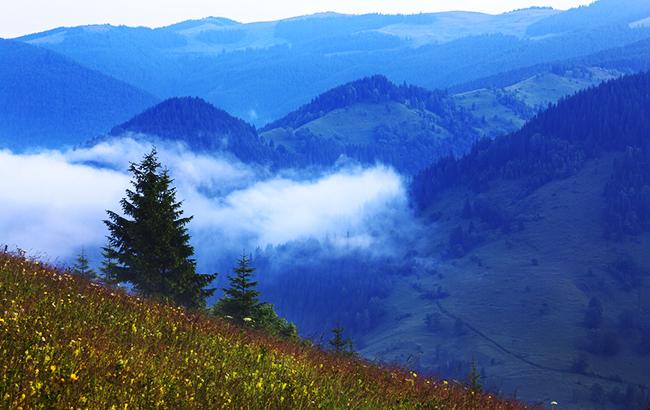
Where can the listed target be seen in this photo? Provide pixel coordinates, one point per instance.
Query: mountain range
(262, 71)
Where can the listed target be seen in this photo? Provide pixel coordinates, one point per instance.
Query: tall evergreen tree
(150, 243)
(82, 266)
(241, 299)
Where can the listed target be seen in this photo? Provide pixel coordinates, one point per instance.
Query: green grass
(70, 343)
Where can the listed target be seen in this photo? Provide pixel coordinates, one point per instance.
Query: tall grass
(70, 343)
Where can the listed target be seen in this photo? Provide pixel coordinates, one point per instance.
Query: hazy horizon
(32, 16)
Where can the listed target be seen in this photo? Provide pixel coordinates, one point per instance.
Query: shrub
(604, 344)
(627, 272)
(594, 314)
(580, 364)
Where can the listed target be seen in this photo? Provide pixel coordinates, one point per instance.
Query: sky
(20, 17)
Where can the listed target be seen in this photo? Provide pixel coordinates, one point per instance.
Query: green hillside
(408, 127)
(506, 109)
(69, 343)
(373, 120)
(537, 253)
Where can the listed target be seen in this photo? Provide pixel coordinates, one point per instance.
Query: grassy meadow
(69, 343)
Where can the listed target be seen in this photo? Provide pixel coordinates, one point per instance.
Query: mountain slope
(68, 342)
(200, 125)
(526, 92)
(610, 117)
(48, 100)
(374, 120)
(537, 255)
(507, 100)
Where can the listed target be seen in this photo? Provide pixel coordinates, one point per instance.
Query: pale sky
(19, 17)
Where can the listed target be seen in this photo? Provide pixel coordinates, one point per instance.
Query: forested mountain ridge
(40, 108)
(373, 90)
(371, 120)
(375, 121)
(199, 125)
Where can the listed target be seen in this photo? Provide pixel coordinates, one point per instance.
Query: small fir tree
(241, 303)
(150, 243)
(339, 343)
(109, 266)
(475, 378)
(241, 299)
(82, 266)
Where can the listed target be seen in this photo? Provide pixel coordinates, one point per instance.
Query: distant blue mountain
(262, 71)
(47, 100)
(600, 13)
(629, 59)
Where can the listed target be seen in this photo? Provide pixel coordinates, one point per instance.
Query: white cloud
(54, 202)
(50, 205)
(281, 210)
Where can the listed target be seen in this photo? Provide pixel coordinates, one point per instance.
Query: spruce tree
(339, 343)
(475, 378)
(82, 266)
(241, 300)
(150, 243)
(241, 303)
(108, 266)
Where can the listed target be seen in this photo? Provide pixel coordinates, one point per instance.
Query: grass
(540, 90)
(536, 91)
(70, 343)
